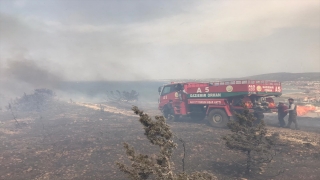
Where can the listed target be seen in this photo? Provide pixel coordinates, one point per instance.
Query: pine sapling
(249, 138)
(161, 167)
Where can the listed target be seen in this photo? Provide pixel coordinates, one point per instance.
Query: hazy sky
(134, 40)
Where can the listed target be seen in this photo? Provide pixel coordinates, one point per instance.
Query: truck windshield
(167, 90)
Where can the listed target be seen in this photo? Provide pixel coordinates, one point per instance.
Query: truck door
(168, 92)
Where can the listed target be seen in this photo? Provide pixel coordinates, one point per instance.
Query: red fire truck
(218, 101)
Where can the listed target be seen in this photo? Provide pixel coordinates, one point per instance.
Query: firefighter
(292, 114)
(179, 89)
(168, 109)
(282, 113)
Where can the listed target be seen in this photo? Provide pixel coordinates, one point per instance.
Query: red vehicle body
(219, 100)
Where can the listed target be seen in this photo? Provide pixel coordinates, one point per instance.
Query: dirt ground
(79, 141)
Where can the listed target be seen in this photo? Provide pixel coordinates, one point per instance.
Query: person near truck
(292, 114)
(282, 113)
(168, 109)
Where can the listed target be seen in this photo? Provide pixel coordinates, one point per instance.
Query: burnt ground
(78, 141)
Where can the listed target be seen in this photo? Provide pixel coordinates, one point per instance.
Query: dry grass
(78, 142)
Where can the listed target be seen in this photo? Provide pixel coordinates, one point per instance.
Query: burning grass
(303, 110)
(78, 142)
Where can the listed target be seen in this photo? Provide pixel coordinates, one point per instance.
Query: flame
(303, 110)
(248, 104)
(272, 105)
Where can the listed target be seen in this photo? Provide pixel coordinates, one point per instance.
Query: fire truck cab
(218, 101)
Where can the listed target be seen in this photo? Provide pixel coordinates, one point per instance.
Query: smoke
(110, 41)
(20, 75)
(31, 73)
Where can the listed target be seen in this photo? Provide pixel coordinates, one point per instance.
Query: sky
(82, 40)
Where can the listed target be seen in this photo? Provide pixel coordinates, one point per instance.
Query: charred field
(83, 141)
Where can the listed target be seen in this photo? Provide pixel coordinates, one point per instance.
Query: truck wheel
(218, 118)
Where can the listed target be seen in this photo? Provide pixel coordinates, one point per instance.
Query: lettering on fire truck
(206, 89)
(251, 87)
(268, 88)
(206, 95)
(214, 95)
(198, 95)
(204, 102)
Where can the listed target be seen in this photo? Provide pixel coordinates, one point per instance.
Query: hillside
(283, 76)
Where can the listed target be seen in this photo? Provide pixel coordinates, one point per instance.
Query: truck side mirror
(159, 89)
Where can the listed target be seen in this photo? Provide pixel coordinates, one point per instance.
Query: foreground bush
(161, 167)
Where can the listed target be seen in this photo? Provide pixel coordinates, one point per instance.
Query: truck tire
(218, 118)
